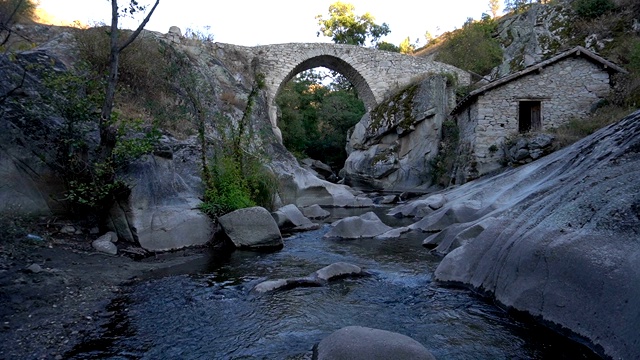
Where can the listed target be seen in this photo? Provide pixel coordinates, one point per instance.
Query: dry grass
(578, 128)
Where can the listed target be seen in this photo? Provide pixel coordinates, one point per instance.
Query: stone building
(537, 98)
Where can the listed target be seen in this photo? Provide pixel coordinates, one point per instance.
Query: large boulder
(362, 343)
(391, 147)
(367, 225)
(557, 238)
(252, 228)
(161, 213)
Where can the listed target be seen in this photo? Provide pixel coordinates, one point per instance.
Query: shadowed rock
(362, 343)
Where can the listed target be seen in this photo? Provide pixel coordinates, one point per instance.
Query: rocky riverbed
(54, 291)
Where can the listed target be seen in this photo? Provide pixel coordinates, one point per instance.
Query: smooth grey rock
(393, 233)
(161, 212)
(337, 270)
(270, 285)
(251, 228)
(362, 343)
(560, 238)
(289, 216)
(315, 212)
(367, 225)
(318, 278)
(103, 244)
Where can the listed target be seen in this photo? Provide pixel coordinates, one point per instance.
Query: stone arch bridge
(376, 74)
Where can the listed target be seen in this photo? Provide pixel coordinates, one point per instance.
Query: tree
(10, 12)
(343, 26)
(406, 47)
(107, 130)
(494, 6)
(386, 46)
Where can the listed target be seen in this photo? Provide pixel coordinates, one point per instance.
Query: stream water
(206, 310)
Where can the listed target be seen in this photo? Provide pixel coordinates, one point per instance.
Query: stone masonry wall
(568, 88)
(376, 74)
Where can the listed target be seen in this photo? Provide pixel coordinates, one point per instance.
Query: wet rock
(393, 233)
(368, 225)
(318, 278)
(251, 228)
(362, 343)
(315, 212)
(336, 270)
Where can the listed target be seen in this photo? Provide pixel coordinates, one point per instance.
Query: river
(206, 310)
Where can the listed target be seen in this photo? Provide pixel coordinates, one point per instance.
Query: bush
(472, 48)
(591, 9)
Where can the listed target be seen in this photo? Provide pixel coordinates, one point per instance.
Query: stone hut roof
(576, 51)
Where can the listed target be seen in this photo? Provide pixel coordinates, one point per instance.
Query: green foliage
(472, 48)
(134, 140)
(386, 46)
(343, 26)
(236, 177)
(92, 184)
(315, 118)
(590, 9)
(406, 47)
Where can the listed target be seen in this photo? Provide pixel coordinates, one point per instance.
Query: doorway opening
(530, 116)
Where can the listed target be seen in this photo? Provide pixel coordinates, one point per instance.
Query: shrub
(590, 9)
(472, 48)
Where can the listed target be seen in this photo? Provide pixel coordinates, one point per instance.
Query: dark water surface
(207, 310)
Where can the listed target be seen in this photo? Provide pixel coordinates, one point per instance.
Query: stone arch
(336, 64)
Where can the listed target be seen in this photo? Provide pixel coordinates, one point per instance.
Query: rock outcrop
(362, 343)
(391, 147)
(557, 238)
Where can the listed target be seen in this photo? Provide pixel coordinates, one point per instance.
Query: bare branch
(140, 27)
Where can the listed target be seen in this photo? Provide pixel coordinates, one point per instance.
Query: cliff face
(392, 146)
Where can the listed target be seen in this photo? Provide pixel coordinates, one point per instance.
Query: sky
(255, 22)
